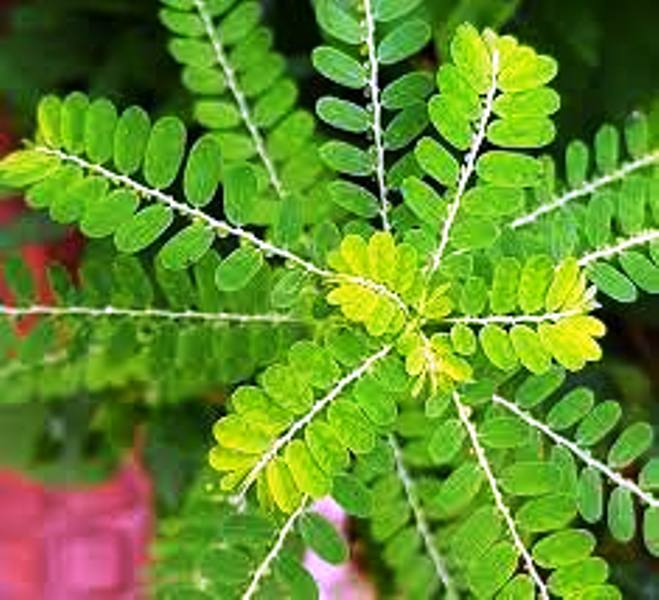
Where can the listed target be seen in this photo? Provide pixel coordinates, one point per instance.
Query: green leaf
(576, 163)
(343, 114)
(590, 497)
(346, 158)
(463, 339)
(214, 114)
(323, 539)
(503, 295)
(240, 190)
(287, 290)
(378, 404)
(297, 580)
(282, 487)
(203, 80)
(637, 134)
(504, 432)
(185, 24)
(509, 169)
(474, 296)
(520, 587)
(438, 162)
(450, 123)
(406, 126)
(478, 532)
(446, 441)
(408, 90)
(498, 347)
(100, 125)
(187, 247)
(649, 477)
(458, 92)
(621, 516)
(607, 148)
(314, 360)
(404, 41)
(521, 132)
(546, 513)
(308, 476)
(74, 111)
(26, 167)
(634, 441)
(238, 269)
(599, 214)
(474, 233)
(339, 67)
(563, 548)
(354, 198)
(601, 421)
(643, 272)
(471, 55)
(130, 140)
(537, 388)
(390, 10)
(526, 70)
(423, 201)
(612, 282)
(68, 207)
(538, 102)
(203, 171)
(534, 280)
(573, 407)
(580, 576)
(352, 495)
(488, 573)
(276, 103)
(458, 490)
(164, 152)
(529, 349)
(351, 426)
(49, 117)
(143, 228)
(651, 530)
(565, 277)
(107, 214)
(338, 23)
(493, 201)
(326, 447)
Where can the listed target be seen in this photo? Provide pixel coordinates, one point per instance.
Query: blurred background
(609, 58)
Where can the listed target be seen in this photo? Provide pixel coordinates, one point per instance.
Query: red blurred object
(62, 544)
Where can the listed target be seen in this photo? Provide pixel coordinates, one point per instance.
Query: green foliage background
(609, 61)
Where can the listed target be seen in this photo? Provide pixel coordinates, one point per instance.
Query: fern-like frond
(421, 522)
(469, 217)
(84, 168)
(533, 313)
(388, 34)
(497, 507)
(243, 94)
(210, 550)
(464, 414)
(142, 330)
(290, 443)
(613, 229)
(607, 162)
(595, 422)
